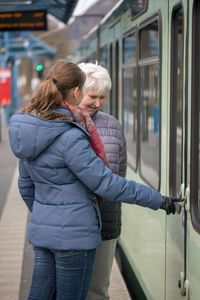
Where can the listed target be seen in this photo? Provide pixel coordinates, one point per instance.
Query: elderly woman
(96, 88)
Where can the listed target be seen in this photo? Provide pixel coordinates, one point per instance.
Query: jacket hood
(30, 135)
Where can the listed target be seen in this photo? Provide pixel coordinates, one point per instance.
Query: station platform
(16, 255)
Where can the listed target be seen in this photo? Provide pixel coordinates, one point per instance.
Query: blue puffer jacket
(58, 172)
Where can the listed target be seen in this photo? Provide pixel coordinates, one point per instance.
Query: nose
(97, 103)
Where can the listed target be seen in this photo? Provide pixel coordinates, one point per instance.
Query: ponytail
(61, 79)
(46, 97)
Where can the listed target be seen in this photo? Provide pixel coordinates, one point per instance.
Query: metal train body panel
(153, 58)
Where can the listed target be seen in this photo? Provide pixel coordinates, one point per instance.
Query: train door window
(149, 82)
(176, 102)
(103, 63)
(195, 124)
(129, 79)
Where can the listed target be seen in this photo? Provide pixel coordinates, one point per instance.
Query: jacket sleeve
(26, 186)
(91, 171)
(123, 157)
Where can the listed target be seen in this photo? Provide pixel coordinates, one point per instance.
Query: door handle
(181, 284)
(182, 194)
(184, 286)
(187, 289)
(187, 198)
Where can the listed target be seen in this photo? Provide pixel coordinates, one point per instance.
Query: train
(151, 49)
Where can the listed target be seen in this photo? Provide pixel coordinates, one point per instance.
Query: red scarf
(83, 118)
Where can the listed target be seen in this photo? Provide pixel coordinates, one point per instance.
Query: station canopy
(61, 9)
(22, 44)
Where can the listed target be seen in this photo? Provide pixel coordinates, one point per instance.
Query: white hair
(97, 77)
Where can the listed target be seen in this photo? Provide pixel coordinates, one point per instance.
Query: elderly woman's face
(92, 101)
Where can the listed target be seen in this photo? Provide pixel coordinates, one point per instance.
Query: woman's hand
(170, 205)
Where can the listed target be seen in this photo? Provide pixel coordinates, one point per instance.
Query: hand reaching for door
(170, 205)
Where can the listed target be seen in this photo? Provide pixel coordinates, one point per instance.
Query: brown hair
(61, 79)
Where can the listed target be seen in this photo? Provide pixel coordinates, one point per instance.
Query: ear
(76, 92)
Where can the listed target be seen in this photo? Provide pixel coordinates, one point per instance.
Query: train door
(175, 238)
(183, 245)
(147, 242)
(192, 282)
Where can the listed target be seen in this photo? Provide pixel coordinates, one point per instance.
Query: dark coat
(114, 142)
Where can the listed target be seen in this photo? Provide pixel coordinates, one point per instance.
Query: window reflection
(150, 123)
(130, 112)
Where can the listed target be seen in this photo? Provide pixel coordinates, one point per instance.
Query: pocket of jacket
(95, 205)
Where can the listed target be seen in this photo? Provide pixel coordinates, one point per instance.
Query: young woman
(62, 172)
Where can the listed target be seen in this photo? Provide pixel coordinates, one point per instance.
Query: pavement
(8, 163)
(16, 255)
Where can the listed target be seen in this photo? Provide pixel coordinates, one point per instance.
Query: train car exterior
(151, 48)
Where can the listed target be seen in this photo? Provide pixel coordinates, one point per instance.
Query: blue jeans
(61, 274)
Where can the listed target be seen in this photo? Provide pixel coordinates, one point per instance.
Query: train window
(92, 58)
(129, 49)
(130, 113)
(87, 59)
(149, 82)
(103, 63)
(195, 118)
(176, 103)
(116, 83)
(150, 123)
(104, 57)
(130, 97)
(111, 75)
(149, 41)
(138, 7)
